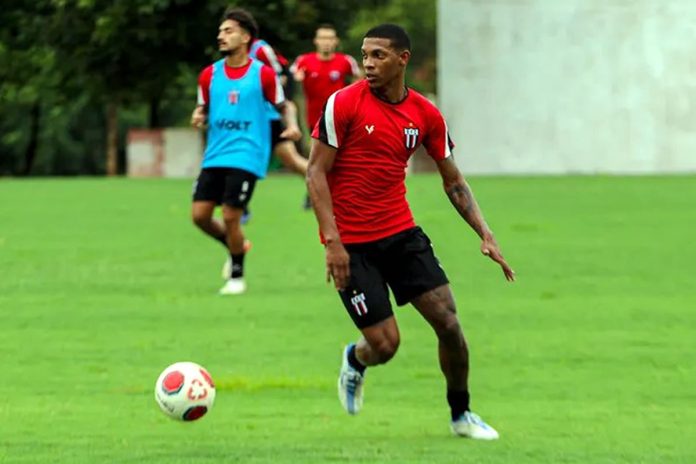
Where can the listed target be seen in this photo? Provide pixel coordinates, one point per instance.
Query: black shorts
(404, 262)
(276, 129)
(229, 186)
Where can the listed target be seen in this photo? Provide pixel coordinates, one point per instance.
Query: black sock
(353, 361)
(458, 402)
(237, 265)
(222, 239)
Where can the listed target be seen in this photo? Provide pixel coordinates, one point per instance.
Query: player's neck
(237, 59)
(393, 92)
(325, 56)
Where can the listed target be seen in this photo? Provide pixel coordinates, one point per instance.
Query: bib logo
(233, 97)
(230, 125)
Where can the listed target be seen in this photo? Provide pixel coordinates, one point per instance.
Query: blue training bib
(239, 134)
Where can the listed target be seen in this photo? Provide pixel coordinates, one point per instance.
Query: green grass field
(590, 357)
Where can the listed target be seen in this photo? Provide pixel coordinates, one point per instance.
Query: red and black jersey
(374, 140)
(322, 78)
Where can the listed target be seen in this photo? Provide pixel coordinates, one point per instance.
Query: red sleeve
(272, 89)
(204, 79)
(437, 141)
(335, 118)
(298, 64)
(267, 56)
(352, 68)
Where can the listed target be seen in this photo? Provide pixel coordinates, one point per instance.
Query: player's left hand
(490, 248)
(291, 133)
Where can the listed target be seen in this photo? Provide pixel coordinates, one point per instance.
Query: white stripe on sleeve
(280, 94)
(329, 123)
(200, 99)
(355, 69)
(448, 150)
(273, 59)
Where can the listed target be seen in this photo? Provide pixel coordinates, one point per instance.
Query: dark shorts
(404, 263)
(276, 129)
(229, 186)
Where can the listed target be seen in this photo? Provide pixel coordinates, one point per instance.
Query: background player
(323, 72)
(285, 149)
(234, 94)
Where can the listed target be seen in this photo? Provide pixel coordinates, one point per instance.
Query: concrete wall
(174, 152)
(569, 86)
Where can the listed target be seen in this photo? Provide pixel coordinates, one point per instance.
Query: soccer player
(323, 72)
(233, 96)
(357, 167)
(284, 148)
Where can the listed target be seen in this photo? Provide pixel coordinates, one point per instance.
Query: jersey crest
(411, 137)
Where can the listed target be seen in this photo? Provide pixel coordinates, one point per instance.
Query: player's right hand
(337, 265)
(198, 118)
(299, 75)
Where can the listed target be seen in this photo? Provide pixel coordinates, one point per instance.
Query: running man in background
(233, 98)
(323, 72)
(357, 167)
(285, 149)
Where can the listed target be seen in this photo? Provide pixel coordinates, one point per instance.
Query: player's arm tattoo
(461, 197)
(463, 200)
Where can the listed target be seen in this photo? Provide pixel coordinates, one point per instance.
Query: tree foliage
(67, 64)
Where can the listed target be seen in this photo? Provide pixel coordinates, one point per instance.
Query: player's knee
(386, 349)
(200, 220)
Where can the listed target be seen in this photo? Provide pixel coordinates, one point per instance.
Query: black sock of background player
(458, 402)
(237, 265)
(353, 361)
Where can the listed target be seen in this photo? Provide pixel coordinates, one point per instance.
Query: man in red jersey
(323, 72)
(356, 174)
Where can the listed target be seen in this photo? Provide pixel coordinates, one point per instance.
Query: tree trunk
(112, 138)
(33, 145)
(154, 121)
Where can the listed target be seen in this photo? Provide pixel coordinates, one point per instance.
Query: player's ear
(404, 57)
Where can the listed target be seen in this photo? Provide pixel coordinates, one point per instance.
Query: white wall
(579, 86)
(173, 152)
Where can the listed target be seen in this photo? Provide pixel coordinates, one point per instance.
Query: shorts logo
(245, 189)
(411, 137)
(359, 305)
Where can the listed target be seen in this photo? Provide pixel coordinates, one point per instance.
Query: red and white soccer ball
(185, 391)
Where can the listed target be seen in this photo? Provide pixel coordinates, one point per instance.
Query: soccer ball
(185, 391)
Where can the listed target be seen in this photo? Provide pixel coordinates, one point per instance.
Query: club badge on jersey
(233, 97)
(411, 137)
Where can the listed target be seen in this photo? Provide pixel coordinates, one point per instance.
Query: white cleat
(227, 267)
(470, 425)
(233, 287)
(350, 386)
